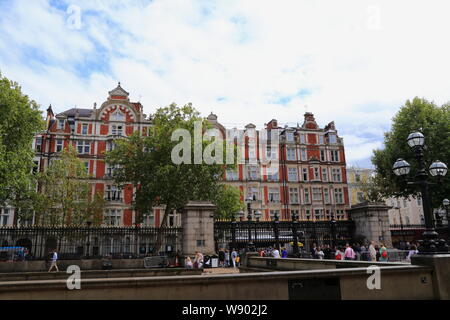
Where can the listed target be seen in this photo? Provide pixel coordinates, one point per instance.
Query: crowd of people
(226, 259)
(362, 252)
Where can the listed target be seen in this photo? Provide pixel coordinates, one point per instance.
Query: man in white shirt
(276, 253)
(54, 259)
(373, 252)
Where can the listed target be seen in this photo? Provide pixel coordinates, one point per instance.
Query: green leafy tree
(434, 122)
(20, 119)
(228, 202)
(64, 197)
(146, 162)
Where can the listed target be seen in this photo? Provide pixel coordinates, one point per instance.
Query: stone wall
(397, 282)
(372, 222)
(84, 264)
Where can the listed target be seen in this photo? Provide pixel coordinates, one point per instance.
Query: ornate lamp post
(276, 222)
(258, 215)
(333, 230)
(416, 141)
(233, 228)
(401, 222)
(294, 217)
(89, 223)
(249, 221)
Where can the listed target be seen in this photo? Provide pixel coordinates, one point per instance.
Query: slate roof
(84, 113)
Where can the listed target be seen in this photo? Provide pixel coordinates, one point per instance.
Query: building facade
(404, 211)
(310, 180)
(92, 132)
(357, 178)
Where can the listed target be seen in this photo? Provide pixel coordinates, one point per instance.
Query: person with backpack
(383, 253)
(338, 254)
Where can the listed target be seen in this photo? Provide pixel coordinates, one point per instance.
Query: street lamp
(294, 217)
(333, 229)
(416, 141)
(401, 223)
(89, 223)
(241, 215)
(258, 215)
(249, 221)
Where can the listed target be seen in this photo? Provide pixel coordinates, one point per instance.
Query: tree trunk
(160, 230)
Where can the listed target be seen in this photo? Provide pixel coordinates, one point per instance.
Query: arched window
(117, 116)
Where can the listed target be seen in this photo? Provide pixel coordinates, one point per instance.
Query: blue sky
(354, 62)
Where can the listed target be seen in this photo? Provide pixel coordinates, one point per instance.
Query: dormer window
(84, 129)
(61, 123)
(332, 138)
(290, 136)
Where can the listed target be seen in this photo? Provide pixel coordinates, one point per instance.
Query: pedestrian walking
(349, 253)
(54, 261)
(221, 257)
(338, 255)
(313, 251)
(198, 261)
(276, 253)
(284, 253)
(319, 253)
(383, 253)
(413, 250)
(227, 258)
(188, 263)
(372, 252)
(233, 257)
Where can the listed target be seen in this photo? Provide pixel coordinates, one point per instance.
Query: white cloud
(248, 52)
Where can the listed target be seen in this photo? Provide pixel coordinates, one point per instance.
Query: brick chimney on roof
(310, 122)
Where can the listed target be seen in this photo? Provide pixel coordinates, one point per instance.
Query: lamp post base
(431, 244)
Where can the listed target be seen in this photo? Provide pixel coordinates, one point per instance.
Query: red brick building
(92, 132)
(311, 180)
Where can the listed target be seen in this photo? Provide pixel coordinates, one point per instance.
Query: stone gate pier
(198, 228)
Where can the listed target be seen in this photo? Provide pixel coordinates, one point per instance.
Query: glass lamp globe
(415, 139)
(438, 168)
(401, 167)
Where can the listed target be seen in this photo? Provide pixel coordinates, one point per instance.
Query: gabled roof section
(118, 93)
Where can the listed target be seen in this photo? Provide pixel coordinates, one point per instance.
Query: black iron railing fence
(271, 233)
(91, 242)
